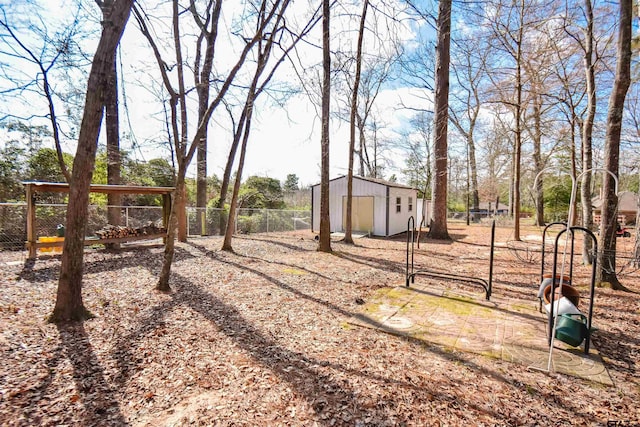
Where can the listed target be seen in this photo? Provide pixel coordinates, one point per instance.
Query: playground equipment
(546, 279)
(574, 327)
(411, 272)
(570, 327)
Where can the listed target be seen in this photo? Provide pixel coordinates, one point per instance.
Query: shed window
(398, 204)
(410, 208)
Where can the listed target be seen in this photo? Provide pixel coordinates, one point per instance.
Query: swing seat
(568, 291)
(546, 281)
(572, 329)
(562, 306)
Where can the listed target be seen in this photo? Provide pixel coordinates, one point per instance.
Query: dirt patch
(260, 337)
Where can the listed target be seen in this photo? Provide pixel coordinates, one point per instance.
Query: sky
(284, 139)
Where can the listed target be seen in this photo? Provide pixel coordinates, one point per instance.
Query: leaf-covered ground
(260, 337)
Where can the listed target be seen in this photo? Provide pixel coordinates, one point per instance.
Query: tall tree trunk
(201, 182)
(182, 199)
(475, 196)
(69, 304)
(114, 200)
(184, 149)
(348, 238)
(537, 157)
(54, 123)
(606, 271)
(518, 118)
(324, 244)
(112, 126)
(587, 132)
(172, 228)
(226, 177)
(636, 247)
(574, 166)
(226, 245)
(365, 161)
(202, 80)
(438, 229)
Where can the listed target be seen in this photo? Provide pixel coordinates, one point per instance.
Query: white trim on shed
(386, 220)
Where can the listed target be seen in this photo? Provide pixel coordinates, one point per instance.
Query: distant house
(627, 208)
(379, 207)
(490, 208)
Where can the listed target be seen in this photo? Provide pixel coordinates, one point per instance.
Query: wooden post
(31, 221)
(203, 222)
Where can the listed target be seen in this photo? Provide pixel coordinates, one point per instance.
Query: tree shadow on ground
(138, 257)
(100, 404)
(306, 375)
(376, 263)
(290, 246)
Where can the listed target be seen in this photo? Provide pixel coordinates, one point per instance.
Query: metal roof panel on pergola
(63, 187)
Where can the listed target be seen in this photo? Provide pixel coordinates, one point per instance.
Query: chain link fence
(13, 222)
(211, 221)
(13, 226)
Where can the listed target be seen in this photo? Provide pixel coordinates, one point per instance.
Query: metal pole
(493, 239)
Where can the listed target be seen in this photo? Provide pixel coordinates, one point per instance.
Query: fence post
(31, 221)
(203, 221)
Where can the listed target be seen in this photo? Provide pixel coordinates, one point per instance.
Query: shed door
(361, 213)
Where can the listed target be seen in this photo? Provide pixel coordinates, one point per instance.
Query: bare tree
(324, 243)
(633, 135)
(274, 37)
(184, 148)
(207, 22)
(586, 42)
(348, 238)
(438, 228)
(606, 271)
(54, 50)
(112, 127)
(587, 130)
(508, 26)
(569, 97)
(538, 74)
(469, 67)
(238, 125)
(69, 304)
(415, 142)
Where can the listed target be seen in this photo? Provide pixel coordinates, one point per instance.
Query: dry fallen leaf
(260, 337)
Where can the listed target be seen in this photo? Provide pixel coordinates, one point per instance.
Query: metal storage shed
(380, 208)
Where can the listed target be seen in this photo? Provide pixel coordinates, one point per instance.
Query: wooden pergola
(32, 188)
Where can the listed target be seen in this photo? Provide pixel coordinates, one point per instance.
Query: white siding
(338, 189)
(398, 220)
(427, 212)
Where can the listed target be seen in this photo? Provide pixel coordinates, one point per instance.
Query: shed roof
(374, 180)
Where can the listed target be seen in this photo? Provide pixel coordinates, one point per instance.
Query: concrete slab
(507, 329)
(354, 234)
